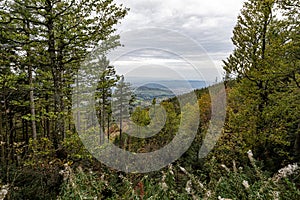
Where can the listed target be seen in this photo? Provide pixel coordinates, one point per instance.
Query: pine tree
(262, 111)
(43, 44)
(107, 80)
(122, 104)
(249, 61)
(48, 40)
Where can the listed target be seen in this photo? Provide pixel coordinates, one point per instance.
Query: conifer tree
(48, 40)
(122, 104)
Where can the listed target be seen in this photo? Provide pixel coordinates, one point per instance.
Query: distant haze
(208, 23)
(176, 87)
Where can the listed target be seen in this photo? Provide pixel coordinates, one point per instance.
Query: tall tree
(107, 80)
(248, 61)
(48, 40)
(287, 53)
(262, 103)
(122, 104)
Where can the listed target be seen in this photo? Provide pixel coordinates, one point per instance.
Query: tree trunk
(121, 116)
(297, 142)
(2, 138)
(32, 106)
(31, 93)
(55, 73)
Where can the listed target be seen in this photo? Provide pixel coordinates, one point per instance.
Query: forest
(42, 156)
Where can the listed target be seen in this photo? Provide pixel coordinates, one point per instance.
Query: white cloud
(209, 23)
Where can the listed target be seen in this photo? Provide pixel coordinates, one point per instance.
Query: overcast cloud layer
(209, 23)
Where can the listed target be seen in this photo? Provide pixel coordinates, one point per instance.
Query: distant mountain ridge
(163, 89)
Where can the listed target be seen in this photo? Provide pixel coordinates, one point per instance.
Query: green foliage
(41, 151)
(253, 183)
(39, 182)
(37, 177)
(81, 185)
(140, 117)
(88, 185)
(74, 148)
(42, 46)
(175, 182)
(263, 113)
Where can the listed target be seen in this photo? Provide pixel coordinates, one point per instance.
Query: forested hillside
(43, 45)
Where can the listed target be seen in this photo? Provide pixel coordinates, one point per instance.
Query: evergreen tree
(43, 43)
(262, 103)
(122, 104)
(107, 80)
(51, 38)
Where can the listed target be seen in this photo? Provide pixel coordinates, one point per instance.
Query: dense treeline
(43, 43)
(263, 105)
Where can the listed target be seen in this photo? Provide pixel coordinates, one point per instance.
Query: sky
(168, 39)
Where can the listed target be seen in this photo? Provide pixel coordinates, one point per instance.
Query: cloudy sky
(169, 38)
